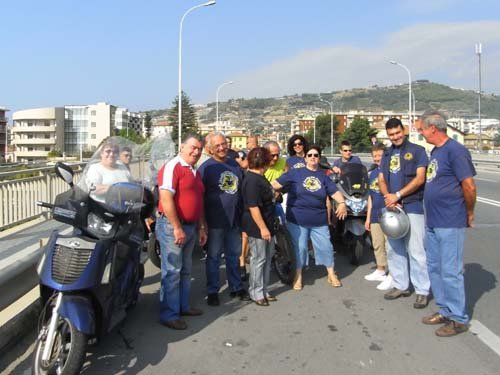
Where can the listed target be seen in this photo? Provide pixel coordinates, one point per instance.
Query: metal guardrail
(18, 196)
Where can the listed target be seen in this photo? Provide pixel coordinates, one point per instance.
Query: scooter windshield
(354, 179)
(116, 161)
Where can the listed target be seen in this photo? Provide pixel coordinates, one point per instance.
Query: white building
(71, 129)
(3, 134)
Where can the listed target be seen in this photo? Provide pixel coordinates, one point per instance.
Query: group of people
(214, 196)
(438, 196)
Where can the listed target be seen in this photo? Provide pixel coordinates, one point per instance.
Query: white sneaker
(386, 284)
(376, 275)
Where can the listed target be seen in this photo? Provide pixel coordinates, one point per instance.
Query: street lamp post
(409, 91)
(180, 65)
(331, 122)
(217, 102)
(478, 53)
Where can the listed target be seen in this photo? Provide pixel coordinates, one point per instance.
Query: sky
(62, 52)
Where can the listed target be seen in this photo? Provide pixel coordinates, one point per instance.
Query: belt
(183, 222)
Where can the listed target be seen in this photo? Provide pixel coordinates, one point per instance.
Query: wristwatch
(398, 194)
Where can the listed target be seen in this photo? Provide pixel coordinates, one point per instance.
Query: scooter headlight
(356, 206)
(98, 226)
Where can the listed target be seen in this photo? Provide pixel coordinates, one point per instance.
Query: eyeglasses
(275, 155)
(312, 155)
(297, 144)
(347, 150)
(110, 151)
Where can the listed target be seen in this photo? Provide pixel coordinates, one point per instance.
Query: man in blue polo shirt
(401, 181)
(346, 156)
(222, 178)
(449, 197)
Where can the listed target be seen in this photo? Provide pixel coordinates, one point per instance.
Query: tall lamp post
(331, 122)
(217, 102)
(180, 65)
(478, 53)
(409, 91)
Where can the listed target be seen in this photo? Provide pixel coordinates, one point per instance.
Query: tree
(358, 134)
(132, 135)
(323, 131)
(147, 125)
(189, 120)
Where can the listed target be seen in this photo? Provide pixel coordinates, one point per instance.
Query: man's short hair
(436, 118)
(268, 144)
(188, 136)
(393, 123)
(378, 147)
(345, 142)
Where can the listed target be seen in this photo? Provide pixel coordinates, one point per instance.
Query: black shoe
(242, 294)
(213, 299)
(177, 324)
(421, 301)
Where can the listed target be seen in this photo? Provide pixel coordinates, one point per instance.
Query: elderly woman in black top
(257, 222)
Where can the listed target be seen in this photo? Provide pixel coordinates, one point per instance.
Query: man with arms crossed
(449, 198)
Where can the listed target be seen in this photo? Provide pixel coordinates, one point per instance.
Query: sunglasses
(127, 155)
(297, 144)
(275, 155)
(347, 150)
(312, 155)
(109, 151)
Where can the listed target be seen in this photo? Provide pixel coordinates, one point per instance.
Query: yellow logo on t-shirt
(228, 182)
(408, 156)
(432, 169)
(394, 165)
(374, 185)
(312, 184)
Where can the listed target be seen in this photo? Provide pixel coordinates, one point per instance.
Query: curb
(16, 328)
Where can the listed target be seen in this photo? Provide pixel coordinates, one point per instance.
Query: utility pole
(478, 53)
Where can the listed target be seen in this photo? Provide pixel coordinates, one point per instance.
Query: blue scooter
(91, 277)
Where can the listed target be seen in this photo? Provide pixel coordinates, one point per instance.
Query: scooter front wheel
(67, 354)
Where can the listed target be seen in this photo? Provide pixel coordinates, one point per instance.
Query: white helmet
(394, 222)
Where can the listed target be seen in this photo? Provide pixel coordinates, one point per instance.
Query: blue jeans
(176, 264)
(409, 249)
(320, 236)
(445, 252)
(229, 241)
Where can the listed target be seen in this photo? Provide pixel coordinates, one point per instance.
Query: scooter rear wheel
(68, 352)
(284, 262)
(154, 250)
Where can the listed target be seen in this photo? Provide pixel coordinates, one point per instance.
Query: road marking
(488, 201)
(484, 179)
(485, 335)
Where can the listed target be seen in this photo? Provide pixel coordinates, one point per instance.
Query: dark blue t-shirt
(222, 193)
(295, 162)
(396, 178)
(307, 192)
(443, 195)
(354, 159)
(377, 198)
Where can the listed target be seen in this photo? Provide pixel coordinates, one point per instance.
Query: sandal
(261, 302)
(334, 281)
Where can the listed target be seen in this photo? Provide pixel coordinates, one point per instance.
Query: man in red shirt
(181, 223)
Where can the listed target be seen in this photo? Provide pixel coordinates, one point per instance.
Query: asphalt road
(350, 330)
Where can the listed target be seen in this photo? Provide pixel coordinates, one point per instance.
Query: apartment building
(3, 133)
(72, 129)
(36, 132)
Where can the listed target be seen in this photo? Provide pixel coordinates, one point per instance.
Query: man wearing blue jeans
(223, 206)
(180, 225)
(401, 181)
(450, 196)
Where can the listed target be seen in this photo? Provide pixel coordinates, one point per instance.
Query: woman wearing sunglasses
(307, 216)
(297, 145)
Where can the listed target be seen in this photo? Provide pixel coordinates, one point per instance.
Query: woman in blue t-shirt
(297, 145)
(307, 215)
